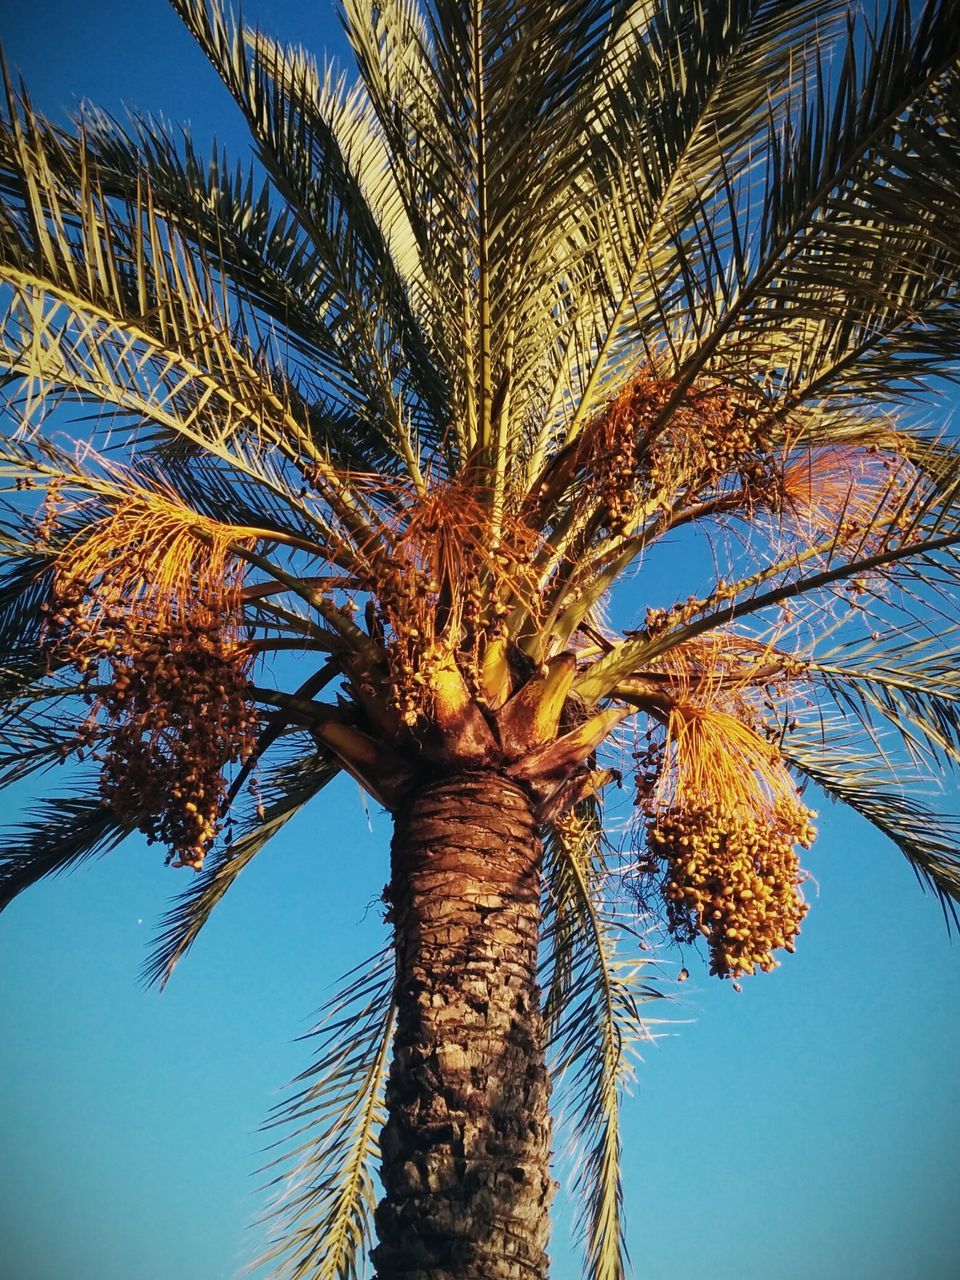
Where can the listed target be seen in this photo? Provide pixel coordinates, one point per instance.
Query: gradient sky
(804, 1130)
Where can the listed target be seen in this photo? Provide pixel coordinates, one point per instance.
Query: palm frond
(684, 106)
(919, 698)
(265, 261)
(106, 302)
(287, 788)
(325, 1188)
(35, 734)
(222, 209)
(288, 111)
(24, 588)
(930, 841)
(592, 1007)
(62, 832)
(850, 282)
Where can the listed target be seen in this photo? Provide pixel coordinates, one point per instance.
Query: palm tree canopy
(413, 392)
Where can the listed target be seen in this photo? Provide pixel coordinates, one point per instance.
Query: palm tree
(410, 396)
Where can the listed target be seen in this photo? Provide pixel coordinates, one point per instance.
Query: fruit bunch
(176, 711)
(654, 443)
(614, 471)
(729, 437)
(147, 607)
(446, 588)
(733, 876)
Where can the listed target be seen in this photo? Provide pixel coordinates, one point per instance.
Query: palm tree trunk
(467, 1142)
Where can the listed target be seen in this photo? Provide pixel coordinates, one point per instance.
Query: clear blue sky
(804, 1130)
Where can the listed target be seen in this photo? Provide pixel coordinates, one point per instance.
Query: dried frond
(845, 490)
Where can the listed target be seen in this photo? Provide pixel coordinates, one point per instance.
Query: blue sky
(804, 1130)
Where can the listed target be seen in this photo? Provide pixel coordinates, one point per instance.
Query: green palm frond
(289, 112)
(930, 841)
(484, 161)
(24, 588)
(224, 210)
(345, 120)
(38, 727)
(918, 696)
(324, 1177)
(851, 283)
(847, 282)
(686, 102)
(105, 302)
(519, 119)
(30, 747)
(262, 256)
(61, 832)
(287, 787)
(592, 1007)
(400, 82)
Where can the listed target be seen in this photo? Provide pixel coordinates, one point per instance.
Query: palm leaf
(920, 700)
(24, 588)
(222, 209)
(592, 1007)
(107, 302)
(930, 841)
(288, 788)
(325, 1190)
(688, 99)
(62, 832)
(280, 94)
(857, 246)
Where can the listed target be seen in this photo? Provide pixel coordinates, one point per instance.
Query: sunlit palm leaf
(922, 706)
(105, 302)
(592, 1005)
(687, 104)
(930, 841)
(280, 94)
(324, 1185)
(857, 245)
(223, 210)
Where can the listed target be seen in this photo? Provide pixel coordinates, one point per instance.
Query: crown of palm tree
(415, 391)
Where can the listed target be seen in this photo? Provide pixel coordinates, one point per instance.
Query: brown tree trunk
(467, 1142)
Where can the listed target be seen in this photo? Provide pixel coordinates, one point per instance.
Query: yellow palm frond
(714, 756)
(157, 559)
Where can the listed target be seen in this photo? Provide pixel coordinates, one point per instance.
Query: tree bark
(466, 1145)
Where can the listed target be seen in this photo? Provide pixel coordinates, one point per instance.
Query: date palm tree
(553, 286)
